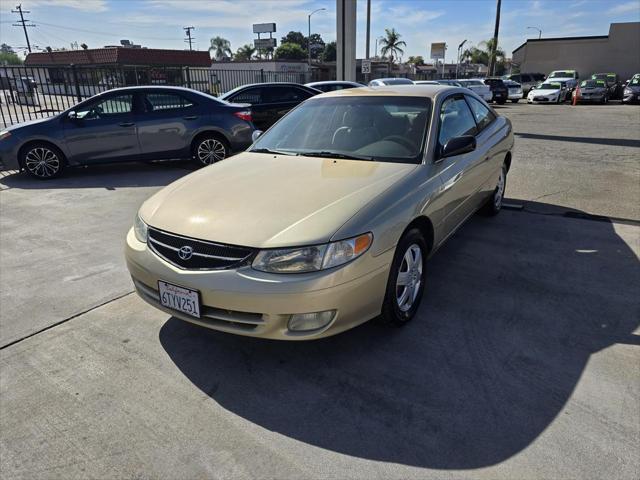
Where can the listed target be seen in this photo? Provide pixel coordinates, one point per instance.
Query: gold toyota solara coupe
(328, 219)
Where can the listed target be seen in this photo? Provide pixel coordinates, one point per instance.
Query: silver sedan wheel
(409, 278)
(42, 162)
(211, 151)
(497, 197)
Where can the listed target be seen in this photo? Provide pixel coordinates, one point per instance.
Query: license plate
(179, 298)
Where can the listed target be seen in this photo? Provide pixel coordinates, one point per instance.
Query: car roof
(151, 87)
(392, 90)
(270, 84)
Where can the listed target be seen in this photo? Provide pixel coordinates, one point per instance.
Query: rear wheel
(494, 204)
(406, 279)
(209, 149)
(42, 160)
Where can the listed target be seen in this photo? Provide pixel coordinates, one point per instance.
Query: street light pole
(309, 37)
(539, 31)
(458, 59)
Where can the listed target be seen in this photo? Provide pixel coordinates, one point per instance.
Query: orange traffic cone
(576, 94)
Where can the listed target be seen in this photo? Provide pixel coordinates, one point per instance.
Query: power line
(95, 32)
(189, 38)
(23, 23)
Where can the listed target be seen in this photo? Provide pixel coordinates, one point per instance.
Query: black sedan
(269, 101)
(498, 89)
(129, 124)
(592, 91)
(333, 85)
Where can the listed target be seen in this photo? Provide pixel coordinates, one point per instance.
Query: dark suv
(499, 90)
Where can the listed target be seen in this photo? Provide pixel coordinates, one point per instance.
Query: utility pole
(494, 46)
(189, 38)
(309, 37)
(23, 23)
(368, 26)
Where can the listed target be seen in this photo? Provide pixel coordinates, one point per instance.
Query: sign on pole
(264, 27)
(437, 50)
(262, 43)
(365, 66)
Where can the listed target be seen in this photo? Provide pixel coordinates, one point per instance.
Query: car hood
(265, 201)
(30, 123)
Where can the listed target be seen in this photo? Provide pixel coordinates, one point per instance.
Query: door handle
(126, 124)
(191, 117)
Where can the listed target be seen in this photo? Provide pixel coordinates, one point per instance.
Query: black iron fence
(28, 93)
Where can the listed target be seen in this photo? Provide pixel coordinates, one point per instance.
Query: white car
(549, 92)
(515, 91)
(478, 87)
(570, 77)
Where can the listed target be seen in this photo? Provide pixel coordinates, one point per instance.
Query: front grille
(204, 255)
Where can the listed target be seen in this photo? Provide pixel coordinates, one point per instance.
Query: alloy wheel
(409, 278)
(211, 151)
(42, 162)
(497, 197)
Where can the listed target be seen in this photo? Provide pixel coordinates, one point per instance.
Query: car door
(103, 129)
(166, 124)
(259, 109)
(459, 173)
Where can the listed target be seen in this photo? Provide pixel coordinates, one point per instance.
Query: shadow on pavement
(110, 176)
(513, 309)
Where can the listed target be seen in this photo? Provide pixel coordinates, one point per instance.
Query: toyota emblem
(185, 252)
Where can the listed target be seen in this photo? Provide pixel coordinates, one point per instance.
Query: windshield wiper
(275, 152)
(344, 156)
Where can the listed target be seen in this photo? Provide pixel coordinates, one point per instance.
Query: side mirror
(458, 146)
(72, 115)
(256, 134)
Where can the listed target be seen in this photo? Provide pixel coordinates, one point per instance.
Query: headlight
(312, 258)
(140, 229)
(5, 134)
(626, 90)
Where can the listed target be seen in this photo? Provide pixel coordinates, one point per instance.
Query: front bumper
(247, 302)
(591, 99)
(631, 97)
(9, 153)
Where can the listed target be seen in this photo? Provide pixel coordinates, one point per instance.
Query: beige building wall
(617, 53)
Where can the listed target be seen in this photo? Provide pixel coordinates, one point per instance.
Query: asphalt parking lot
(523, 361)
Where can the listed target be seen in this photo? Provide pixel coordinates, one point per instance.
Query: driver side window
(455, 120)
(106, 107)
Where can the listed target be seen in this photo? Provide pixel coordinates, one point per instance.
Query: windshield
(471, 82)
(564, 74)
(550, 86)
(386, 129)
(635, 81)
(589, 84)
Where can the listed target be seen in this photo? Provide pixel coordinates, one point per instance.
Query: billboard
(437, 50)
(261, 43)
(264, 27)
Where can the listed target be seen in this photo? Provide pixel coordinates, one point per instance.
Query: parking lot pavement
(62, 241)
(585, 157)
(522, 363)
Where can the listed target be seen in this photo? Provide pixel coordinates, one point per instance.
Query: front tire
(515, 101)
(42, 160)
(210, 149)
(406, 280)
(494, 204)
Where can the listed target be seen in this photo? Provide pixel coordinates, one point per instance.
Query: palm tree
(245, 52)
(221, 48)
(391, 44)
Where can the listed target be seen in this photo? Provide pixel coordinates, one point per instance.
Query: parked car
(526, 80)
(269, 101)
(591, 91)
(129, 124)
(451, 83)
(570, 77)
(631, 93)
(381, 82)
(549, 92)
(331, 85)
(328, 219)
(426, 82)
(498, 90)
(614, 85)
(478, 87)
(515, 91)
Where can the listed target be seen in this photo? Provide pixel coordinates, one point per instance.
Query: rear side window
(455, 120)
(166, 101)
(250, 95)
(286, 94)
(482, 114)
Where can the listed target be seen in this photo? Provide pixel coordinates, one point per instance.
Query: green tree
(482, 53)
(417, 60)
(330, 52)
(317, 46)
(221, 48)
(245, 53)
(295, 37)
(9, 59)
(392, 45)
(290, 51)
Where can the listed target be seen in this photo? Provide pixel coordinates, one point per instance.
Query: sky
(158, 23)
